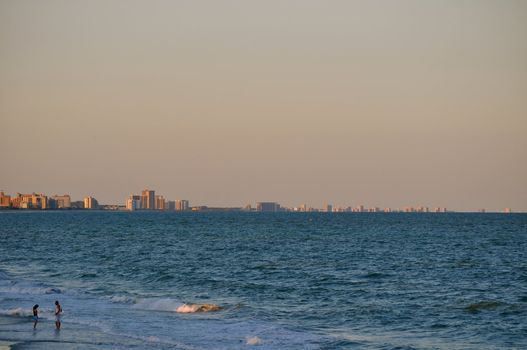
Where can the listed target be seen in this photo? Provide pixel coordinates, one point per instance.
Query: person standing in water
(35, 315)
(58, 313)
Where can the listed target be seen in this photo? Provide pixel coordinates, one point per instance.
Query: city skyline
(149, 200)
(295, 102)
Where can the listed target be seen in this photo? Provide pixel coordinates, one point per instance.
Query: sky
(226, 103)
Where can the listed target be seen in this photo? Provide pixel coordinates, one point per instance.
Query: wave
(20, 312)
(483, 305)
(374, 275)
(171, 305)
(253, 340)
(21, 289)
(191, 308)
(23, 312)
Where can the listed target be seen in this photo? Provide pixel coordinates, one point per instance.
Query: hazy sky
(385, 103)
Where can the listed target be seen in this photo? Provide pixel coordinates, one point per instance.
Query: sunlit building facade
(148, 199)
(90, 203)
(182, 205)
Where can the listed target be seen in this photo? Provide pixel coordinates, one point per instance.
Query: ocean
(168, 280)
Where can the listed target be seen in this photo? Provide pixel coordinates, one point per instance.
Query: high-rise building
(133, 202)
(267, 206)
(171, 205)
(148, 199)
(62, 202)
(182, 205)
(328, 208)
(160, 202)
(90, 203)
(30, 201)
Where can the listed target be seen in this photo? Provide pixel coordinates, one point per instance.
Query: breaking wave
(191, 308)
(21, 312)
(483, 305)
(25, 312)
(29, 290)
(171, 305)
(253, 340)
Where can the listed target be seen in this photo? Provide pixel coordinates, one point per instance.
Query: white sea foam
(23, 312)
(190, 308)
(171, 305)
(17, 312)
(6, 345)
(158, 304)
(253, 341)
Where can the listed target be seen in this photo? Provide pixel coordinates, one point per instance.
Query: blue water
(283, 281)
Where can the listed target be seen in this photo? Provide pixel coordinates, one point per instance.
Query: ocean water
(281, 280)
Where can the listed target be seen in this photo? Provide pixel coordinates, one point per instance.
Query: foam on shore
(4, 345)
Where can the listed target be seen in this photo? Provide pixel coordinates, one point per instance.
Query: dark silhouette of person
(35, 315)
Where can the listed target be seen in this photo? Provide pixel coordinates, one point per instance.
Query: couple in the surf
(58, 314)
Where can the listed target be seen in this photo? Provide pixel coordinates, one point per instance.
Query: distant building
(90, 203)
(133, 202)
(267, 206)
(29, 201)
(160, 203)
(507, 210)
(200, 208)
(62, 202)
(328, 208)
(182, 205)
(171, 205)
(5, 201)
(148, 199)
(77, 205)
(16, 202)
